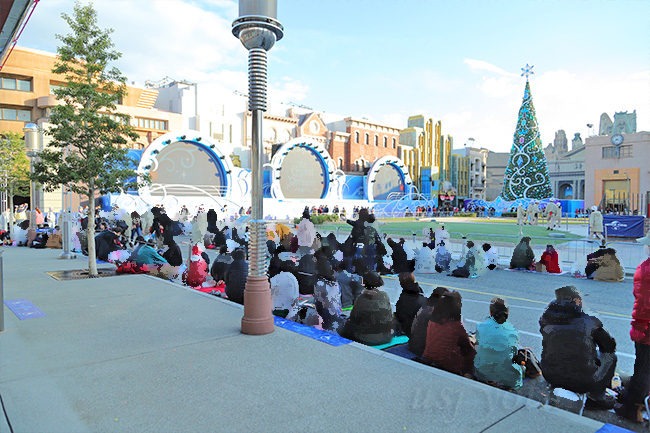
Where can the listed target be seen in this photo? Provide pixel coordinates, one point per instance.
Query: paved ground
(135, 354)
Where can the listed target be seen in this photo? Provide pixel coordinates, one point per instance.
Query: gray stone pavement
(137, 354)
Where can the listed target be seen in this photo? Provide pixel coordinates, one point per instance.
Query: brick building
(356, 143)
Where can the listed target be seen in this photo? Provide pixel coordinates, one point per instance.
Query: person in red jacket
(632, 401)
(197, 272)
(448, 345)
(550, 260)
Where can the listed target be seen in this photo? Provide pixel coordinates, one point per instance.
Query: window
(24, 85)
(54, 87)
(8, 113)
(17, 84)
(376, 140)
(367, 138)
(356, 165)
(24, 115)
(340, 163)
(9, 83)
(622, 152)
(393, 143)
(356, 137)
(385, 141)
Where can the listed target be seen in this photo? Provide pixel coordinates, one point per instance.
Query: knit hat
(567, 292)
(196, 254)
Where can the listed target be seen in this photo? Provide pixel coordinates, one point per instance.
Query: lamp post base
(258, 305)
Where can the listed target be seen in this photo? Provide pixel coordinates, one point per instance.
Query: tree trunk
(90, 231)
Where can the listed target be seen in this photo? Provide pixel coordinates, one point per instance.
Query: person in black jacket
(106, 242)
(236, 276)
(212, 221)
(409, 303)
(371, 321)
(418, 335)
(173, 254)
(400, 259)
(307, 276)
(221, 264)
(570, 338)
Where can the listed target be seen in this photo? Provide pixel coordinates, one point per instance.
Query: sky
(455, 61)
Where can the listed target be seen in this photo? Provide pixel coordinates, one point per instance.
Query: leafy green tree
(14, 168)
(87, 151)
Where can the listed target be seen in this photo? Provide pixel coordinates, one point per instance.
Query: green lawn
(484, 231)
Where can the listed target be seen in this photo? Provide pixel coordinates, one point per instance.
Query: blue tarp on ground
(624, 226)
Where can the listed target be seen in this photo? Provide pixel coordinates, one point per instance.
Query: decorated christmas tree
(526, 174)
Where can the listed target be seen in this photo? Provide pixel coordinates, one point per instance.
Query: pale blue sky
(458, 61)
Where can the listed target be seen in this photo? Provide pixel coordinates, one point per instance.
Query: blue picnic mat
(308, 331)
(394, 342)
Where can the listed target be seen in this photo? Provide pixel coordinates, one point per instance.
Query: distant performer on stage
(521, 218)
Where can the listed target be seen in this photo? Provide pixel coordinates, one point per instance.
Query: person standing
(595, 223)
(631, 405)
(521, 218)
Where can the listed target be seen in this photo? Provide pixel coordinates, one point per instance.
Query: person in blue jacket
(497, 345)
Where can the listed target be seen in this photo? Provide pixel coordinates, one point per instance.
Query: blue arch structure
(329, 172)
(215, 153)
(398, 165)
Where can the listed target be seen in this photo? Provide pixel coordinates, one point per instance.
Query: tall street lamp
(258, 29)
(66, 211)
(628, 192)
(33, 147)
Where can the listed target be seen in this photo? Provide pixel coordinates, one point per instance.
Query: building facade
(617, 175)
(494, 173)
(26, 96)
(477, 171)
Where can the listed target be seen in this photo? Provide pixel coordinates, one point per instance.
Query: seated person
(523, 256)
(349, 283)
(236, 277)
(147, 254)
(196, 273)
(306, 274)
(284, 290)
(418, 335)
(173, 254)
(570, 339)
(40, 241)
(409, 303)
(491, 260)
(609, 268)
(443, 258)
(550, 260)
(497, 343)
(107, 242)
(220, 265)
(327, 294)
(219, 238)
(371, 321)
(468, 263)
(424, 260)
(448, 346)
(593, 262)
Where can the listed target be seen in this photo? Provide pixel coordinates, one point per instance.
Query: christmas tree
(526, 174)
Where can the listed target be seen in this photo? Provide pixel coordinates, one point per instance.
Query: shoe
(607, 402)
(634, 413)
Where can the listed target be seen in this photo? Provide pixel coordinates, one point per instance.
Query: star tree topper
(527, 70)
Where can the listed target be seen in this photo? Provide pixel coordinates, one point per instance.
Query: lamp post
(258, 29)
(66, 210)
(32, 146)
(627, 200)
